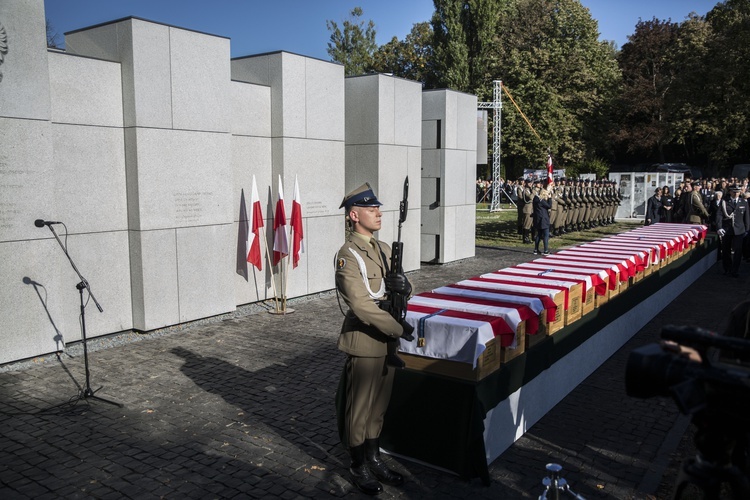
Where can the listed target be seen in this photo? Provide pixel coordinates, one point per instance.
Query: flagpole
(270, 265)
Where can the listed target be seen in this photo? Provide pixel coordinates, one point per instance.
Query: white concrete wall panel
(200, 81)
(103, 259)
(433, 104)
(449, 235)
(432, 219)
(454, 177)
(154, 279)
(27, 178)
(293, 90)
(429, 134)
(407, 106)
(24, 92)
(465, 231)
(431, 163)
(324, 100)
(93, 100)
(89, 169)
(31, 302)
(414, 170)
(250, 109)
(183, 179)
(386, 110)
(205, 261)
(466, 122)
(361, 101)
(147, 46)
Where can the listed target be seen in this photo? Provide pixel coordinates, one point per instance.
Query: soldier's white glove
(721, 233)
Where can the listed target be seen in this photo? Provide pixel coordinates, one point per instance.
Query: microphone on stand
(42, 223)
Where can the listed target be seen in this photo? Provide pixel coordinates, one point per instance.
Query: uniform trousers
(369, 382)
(729, 244)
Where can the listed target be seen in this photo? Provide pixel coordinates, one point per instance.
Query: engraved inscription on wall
(315, 208)
(190, 206)
(11, 181)
(3, 47)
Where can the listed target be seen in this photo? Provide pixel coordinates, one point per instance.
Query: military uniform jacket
(697, 211)
(359, 279)
(738, 224)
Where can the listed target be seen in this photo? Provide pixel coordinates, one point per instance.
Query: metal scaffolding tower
(497, 106)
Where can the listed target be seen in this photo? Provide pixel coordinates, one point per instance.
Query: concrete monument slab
(89, 170)
(153, 276)
(205, 261)
(93, 100)
(27, 179)
(24, 76)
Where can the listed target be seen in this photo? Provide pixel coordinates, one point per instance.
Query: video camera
(657, 370)
(714, 391)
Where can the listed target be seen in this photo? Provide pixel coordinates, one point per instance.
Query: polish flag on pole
(280, 241)
(296, 225)
(254, 255)
(549, 169)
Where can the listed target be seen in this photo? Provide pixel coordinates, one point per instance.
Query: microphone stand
(85, 393)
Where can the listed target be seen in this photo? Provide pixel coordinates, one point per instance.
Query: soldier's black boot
(378, 467)
(361, 475)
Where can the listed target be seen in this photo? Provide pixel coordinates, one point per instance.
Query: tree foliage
(649, 73)
(409, 58)
(674, 92)
(352, 45)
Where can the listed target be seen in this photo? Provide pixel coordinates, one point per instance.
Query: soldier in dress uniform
(733, 221)
(697, 212)
(369, 337)
(562, 208)
(519, 203)
(528, 210)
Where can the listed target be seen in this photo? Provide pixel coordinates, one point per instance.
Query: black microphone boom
(42, 222)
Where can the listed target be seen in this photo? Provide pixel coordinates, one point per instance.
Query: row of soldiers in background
(576, 204)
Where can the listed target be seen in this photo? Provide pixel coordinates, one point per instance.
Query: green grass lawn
(498, 229)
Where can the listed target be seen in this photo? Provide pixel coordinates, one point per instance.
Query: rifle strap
(382, 257)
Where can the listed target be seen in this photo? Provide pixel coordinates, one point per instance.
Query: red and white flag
(280, 240)
(296, 225)
(549, 169)
(254, 255)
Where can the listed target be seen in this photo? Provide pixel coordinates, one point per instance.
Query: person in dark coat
(653, 208)
(542, 207)
(733, 221)
(667, 205)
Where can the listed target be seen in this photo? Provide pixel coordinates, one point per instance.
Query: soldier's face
(367, 219)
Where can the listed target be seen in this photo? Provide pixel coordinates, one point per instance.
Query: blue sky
(299, 26)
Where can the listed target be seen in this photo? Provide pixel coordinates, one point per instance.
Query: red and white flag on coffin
(254, 255)
(280, 240)
(549, 169)
(296, 225)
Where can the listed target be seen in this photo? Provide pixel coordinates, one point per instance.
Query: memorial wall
(144, 139)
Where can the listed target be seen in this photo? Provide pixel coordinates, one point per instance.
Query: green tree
(410, 58)
(463, 35)
(354, 45)
(560, 75)
(649, 71)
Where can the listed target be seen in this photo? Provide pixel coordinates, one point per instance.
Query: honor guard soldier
(697, 212)
(369, 337)
(733, 221)
(519, 203)
(562, 209)
(528, 209)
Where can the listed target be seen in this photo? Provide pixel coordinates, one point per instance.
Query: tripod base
(87, 394)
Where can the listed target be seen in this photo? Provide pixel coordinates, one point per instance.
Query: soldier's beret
(363, 196)
(695, 183)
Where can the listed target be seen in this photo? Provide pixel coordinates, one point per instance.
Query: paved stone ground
(242, 407)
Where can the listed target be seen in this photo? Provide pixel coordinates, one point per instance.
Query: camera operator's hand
(686, 352)
(408, 332)
(398, 283)
(721, 233)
